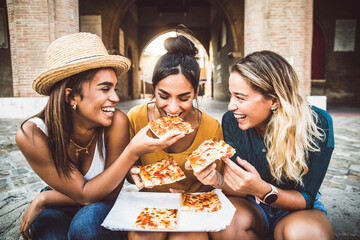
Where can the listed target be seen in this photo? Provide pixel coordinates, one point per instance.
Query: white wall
(21, 107)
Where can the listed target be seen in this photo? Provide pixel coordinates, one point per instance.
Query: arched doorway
(155, 48)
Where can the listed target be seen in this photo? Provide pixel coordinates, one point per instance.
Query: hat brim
(45, 80)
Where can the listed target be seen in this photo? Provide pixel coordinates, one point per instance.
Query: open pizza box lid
(128, 205)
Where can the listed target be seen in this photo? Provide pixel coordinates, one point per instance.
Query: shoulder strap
(40, 124)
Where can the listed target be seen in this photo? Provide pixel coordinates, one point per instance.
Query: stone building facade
(227, 29)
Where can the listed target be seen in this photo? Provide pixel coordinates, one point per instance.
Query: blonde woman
(283, 148)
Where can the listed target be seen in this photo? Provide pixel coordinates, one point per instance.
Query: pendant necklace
(79, 148)
(262, 142)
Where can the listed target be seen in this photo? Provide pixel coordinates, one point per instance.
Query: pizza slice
(208, 152)
(200, 202)
(160, 173)
(173, 124)
(157, 219)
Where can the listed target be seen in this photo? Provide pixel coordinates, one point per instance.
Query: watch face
(271, 198)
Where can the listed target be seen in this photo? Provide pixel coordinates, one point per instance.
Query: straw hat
(76, 53)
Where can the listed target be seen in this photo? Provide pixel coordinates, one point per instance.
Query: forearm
(287, 199)
(53, 197)
(114, 194)
(290, 200)
(99, 187)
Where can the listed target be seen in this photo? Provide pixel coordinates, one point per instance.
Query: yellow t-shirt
(209, 128)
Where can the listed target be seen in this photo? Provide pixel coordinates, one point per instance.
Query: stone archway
(219, 13)
(154, 49)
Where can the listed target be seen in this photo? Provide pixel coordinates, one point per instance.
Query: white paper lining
(129, 204)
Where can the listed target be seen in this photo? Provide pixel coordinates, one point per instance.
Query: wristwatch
(270, 197)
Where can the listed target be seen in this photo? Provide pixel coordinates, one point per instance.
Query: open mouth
(172, 115)
(240, 116)
(108, 109)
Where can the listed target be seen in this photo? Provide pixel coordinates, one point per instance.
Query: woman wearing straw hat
(79, 143)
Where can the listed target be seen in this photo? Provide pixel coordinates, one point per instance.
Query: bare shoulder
(119, 124)
(120, 120)
(32, 142)
(29, 132)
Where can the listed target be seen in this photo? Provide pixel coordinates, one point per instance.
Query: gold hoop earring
(74, 107)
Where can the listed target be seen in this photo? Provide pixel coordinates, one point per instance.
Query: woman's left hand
(30, 214)
(244, 180)
(207, 176)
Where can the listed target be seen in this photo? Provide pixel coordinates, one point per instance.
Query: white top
(98, 162)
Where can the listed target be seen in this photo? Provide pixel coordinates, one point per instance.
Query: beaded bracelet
(221, 181)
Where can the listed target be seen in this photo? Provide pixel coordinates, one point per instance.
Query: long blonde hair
(291, 132)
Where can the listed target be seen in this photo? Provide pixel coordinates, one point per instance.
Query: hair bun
(180, 45)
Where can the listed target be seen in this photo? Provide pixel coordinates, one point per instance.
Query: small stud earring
(273, 109)
(74, 107)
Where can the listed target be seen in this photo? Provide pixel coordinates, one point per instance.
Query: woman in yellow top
(175, 82)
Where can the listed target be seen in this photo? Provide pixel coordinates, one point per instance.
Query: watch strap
(273, 191)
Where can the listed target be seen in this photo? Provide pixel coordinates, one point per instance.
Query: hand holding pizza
(134, 172)
(244, 180)
(142, 144)
(207, 176)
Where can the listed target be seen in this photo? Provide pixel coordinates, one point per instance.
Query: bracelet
(221, 181)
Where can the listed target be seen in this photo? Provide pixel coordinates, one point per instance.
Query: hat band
(84, 58)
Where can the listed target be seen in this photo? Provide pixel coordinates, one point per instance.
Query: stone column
(284, 27)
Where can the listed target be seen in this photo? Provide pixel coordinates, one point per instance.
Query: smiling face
(97, 106)
(174, 95)
(250, 108)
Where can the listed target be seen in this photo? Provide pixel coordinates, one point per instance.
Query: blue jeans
(272, 215)
(74, 222)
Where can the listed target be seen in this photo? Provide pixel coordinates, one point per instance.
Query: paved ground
(341, 187)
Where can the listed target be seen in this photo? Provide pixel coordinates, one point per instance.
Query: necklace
(262, 142)
(79, 148)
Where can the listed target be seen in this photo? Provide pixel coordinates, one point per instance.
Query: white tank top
(98, 162)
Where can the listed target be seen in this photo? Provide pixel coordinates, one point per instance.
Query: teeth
(172, 115)
(108, 109)
(240, 116)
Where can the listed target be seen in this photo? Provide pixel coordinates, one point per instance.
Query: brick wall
(67, 17)
(284, 27)
(32, 27)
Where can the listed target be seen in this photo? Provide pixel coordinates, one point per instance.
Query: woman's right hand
(30, 214)
(244, 179)
(207, 176)
(143, 144)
